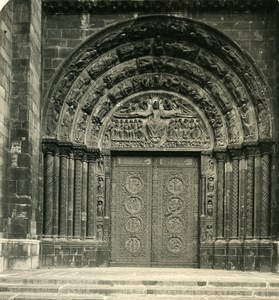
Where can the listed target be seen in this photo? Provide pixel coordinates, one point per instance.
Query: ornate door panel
(175, 235)
(131, 211)
(155, 211)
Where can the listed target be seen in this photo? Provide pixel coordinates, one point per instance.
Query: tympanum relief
(155, 120)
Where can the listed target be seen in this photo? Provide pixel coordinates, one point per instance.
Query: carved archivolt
(159, 82)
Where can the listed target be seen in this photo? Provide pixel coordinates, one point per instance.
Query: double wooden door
(154, 211)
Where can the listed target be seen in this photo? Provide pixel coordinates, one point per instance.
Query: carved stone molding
(124, 6)
(196, 62)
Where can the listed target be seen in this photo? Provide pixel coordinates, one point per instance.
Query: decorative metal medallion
(133, 224)
(134, 184)
(133, 244)
(133, 204)
(175, 245)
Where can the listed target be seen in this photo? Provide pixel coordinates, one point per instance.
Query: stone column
(235, 249)
(77, 194)
(84, 197)
(56, 193)
(234, 207)
(227, 197)
(70, 206)
(48, 203)
(265, 196)
(91, 190)
(64, 194)
(257, 195)
(249, 211)
(266, 251)
(242, 194)
(220, 195)
(250, 247)
(220, 247)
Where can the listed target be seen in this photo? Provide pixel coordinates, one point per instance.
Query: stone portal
(160, 84)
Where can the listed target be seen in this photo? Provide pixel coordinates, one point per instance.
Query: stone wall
(20, 122)
(6, 27)
(25, 120)
(276, 121)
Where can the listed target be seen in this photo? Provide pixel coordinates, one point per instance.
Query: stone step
(140, 290)
(62, 281)
(51, 296)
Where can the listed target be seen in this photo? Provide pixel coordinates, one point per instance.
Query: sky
(2, 3)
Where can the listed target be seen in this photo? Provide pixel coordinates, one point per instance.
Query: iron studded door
(154, 211)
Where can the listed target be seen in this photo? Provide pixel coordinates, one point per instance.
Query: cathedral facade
(140, 133)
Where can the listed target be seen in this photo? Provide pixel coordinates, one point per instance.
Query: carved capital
(220, 156)
(50, 146)
(78, 154)
(236, 154)
(250, 151)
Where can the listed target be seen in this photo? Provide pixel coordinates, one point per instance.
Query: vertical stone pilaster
(70, 206)
(64, 194)
(242, 194)
(77, 194)
(220, 195)
(48, 205)
(227, 198)
(84, 197)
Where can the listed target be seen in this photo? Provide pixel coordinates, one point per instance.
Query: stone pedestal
(265, 256)
(250, 252)
(74, 253)
(235, 255)
(19, 254)
(220, 254)
(206, 255)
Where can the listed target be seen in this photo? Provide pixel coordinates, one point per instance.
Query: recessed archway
(161, 83)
